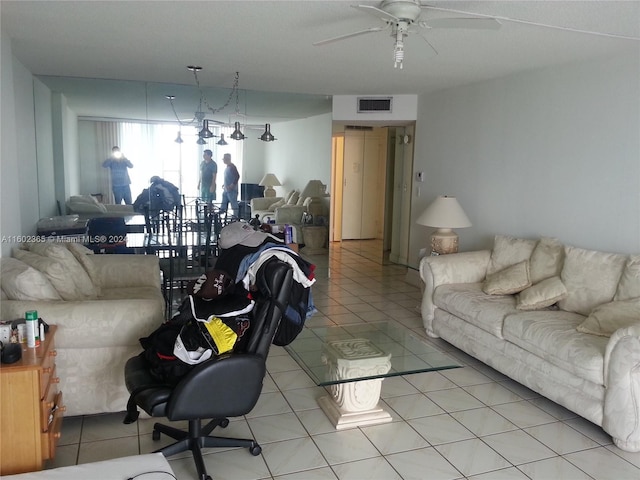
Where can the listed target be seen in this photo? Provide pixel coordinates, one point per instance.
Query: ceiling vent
(359, 127)
(374, 104)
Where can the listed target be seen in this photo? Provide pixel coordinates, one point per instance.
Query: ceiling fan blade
(535, 24)
(377, 12)
(349, 35)
(471, 23)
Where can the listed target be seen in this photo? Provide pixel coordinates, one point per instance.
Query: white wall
(553, 152)
(301, 153)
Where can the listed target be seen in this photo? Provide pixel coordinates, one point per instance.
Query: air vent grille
(359, 127)
(374, 104)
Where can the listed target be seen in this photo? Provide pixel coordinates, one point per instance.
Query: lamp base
(444, 241)
(269, 192)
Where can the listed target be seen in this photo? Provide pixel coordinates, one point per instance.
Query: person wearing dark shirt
(208, 175)
(120, 181)
(230, 187)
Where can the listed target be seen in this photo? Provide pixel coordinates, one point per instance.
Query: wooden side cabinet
(30, 409)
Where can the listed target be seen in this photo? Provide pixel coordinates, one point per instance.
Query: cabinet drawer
(48, 364)
(49, 401)
(51, 437)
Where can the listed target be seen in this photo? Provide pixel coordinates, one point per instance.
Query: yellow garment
(223, 336)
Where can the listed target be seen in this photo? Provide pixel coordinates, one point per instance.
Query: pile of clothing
(160, 196)
(215, 317)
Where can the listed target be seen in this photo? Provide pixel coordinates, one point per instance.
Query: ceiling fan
(399, 16)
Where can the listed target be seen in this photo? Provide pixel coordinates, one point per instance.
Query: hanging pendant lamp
(205, 132)
(222, 141)
(237, 134)
(179, 137)
(266, 136)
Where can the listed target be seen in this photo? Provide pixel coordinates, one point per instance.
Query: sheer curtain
(153, 151)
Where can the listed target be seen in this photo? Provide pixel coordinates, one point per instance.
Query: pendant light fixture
(205, 132)
(179, 137)
(237, 134)
(266, 136)
(222, 141)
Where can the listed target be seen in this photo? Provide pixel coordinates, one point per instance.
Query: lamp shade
(269, 180)
(444, 212)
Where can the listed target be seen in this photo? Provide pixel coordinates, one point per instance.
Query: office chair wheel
(224, 423)
(255, 450)
(155, 435)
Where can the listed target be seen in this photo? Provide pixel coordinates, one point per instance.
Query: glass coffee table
(352, 360)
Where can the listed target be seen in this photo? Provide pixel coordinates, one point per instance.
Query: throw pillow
(546, 259)
(300, 201)
(54, 270)
(606, 319)
(83, 255)
(293, 200)
(629, 285)
(541, 295)
(21, 282)
(512, 279)
(59, 252)
(591, 278)
(288, 195)
(273, 206)
(508, 251)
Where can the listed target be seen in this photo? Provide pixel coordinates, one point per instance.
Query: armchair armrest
(291, 214)
(465, 267)
(128, 270)
(263, 203)
(622, 380)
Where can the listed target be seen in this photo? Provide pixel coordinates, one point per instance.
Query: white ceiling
(270, 44)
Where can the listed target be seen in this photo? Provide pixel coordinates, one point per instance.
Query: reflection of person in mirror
(120, 181)
(230, 187)
(208, 175)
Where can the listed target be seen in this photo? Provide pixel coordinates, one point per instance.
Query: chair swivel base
(197, 438)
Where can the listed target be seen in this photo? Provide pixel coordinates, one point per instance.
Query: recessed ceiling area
(270, 44)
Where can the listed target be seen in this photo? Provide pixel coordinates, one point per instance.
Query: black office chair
(225, 386)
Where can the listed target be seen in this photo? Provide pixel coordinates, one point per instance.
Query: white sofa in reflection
(102, 305)
(87, 206)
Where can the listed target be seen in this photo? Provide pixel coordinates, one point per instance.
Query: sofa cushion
(508, 251)
(279, 203)
(85, 204)
(546, 259)
(293, 200)
(84, 257)
(541, 295)
(629, 285)
(65, 255)
(512, 279)
(22, 282)
(591, 278)
(469, 302)
(553, 337)
(609, 317)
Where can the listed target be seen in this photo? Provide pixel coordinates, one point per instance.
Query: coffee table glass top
(315, 351)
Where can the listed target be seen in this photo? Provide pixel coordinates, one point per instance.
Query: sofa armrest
(128, 270)
(263, 203)
(622, 380)
(291, 214)
(465, 267)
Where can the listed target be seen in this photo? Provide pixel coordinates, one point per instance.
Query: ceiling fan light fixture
(266, 136)
(222, 141)
(237, 134)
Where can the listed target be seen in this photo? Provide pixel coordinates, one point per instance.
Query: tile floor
(471, 422)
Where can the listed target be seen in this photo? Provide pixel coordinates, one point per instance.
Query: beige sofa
(562, 320)
(102, 305)
(86, 206)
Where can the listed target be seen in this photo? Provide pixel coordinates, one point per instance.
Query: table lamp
(269, 181)
(445, 214)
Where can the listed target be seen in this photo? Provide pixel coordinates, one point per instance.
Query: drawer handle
(47, 370)
(57, 435)
(53, 353)
(55, 380)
